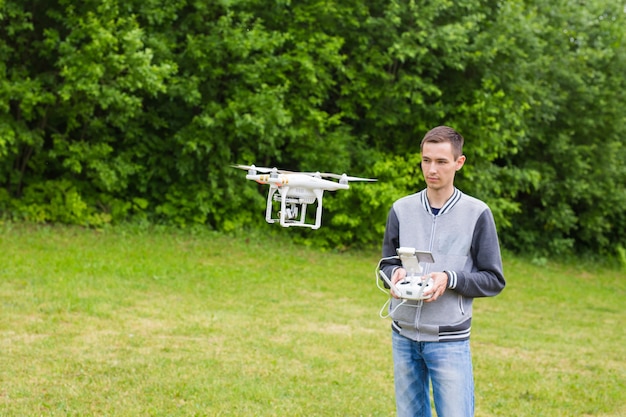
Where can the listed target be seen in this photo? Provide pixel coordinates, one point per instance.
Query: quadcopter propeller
(261, 169)
(345, 177)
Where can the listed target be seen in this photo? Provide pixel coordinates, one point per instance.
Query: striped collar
(456, 196)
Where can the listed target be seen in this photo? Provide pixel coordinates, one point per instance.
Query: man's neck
(437, 198)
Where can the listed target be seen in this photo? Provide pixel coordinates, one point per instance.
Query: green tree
(575, 125)
(112, 110)
(75, 80)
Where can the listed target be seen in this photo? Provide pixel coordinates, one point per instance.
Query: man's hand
(398, 275)
(440, 283)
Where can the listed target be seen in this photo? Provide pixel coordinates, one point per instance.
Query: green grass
(166, 323)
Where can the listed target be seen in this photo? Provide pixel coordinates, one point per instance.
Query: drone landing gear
(293, 210)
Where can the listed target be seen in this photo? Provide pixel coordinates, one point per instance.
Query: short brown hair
(441, 134)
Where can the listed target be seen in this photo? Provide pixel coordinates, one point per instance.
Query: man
(430, 338)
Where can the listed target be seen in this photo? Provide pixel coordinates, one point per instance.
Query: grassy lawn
(164, 323)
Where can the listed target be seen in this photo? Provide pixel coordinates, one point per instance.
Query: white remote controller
(413, 286)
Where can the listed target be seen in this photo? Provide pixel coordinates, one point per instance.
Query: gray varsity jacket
(463, 240)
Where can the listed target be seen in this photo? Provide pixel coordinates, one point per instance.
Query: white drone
(296, 190)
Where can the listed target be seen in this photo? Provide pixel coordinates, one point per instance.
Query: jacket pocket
(403, 312)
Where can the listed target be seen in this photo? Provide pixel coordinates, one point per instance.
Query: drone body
(295, 191)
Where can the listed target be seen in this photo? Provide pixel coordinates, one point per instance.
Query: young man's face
(439, 165)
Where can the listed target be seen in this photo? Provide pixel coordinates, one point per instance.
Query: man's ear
(460, 162)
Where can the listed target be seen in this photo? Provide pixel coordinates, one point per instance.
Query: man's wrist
(451, 279)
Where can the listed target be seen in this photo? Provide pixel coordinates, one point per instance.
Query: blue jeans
(447, 364)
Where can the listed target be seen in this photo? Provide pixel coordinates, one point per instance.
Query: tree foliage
(114, 110)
